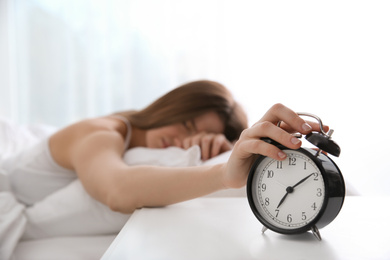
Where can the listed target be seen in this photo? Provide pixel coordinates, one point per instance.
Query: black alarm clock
(303, 192)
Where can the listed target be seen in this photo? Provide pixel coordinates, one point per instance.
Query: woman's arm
(97, 158)
(98, 162)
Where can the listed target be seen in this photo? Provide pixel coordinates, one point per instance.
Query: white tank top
(33, 173)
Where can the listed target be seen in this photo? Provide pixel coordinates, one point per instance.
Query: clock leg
(264, 229)
(316, 232)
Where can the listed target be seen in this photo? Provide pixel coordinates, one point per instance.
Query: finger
(224, 144)
(280, 112)
(326, 128)
(178, 143)
(218, 145)
(192, 140)
(205, 146)
(254, 146)
(314, 125)
(267, 129)
(187, 143)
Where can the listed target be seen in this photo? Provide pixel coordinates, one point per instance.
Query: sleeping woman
(201, 113)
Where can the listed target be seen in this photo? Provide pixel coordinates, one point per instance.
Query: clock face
(288, 194)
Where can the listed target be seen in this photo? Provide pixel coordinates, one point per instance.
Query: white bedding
(69, 219)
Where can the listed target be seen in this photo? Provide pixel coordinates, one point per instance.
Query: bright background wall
(61, 61)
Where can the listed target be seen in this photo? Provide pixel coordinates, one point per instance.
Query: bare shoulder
(65, 141)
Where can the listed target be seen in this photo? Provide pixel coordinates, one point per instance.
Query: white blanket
(70, 210)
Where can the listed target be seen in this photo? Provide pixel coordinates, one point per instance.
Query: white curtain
(68, 60)
(63, 60)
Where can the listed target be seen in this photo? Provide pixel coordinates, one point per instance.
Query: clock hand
(304, 179)
(290, 189)
(281, 184)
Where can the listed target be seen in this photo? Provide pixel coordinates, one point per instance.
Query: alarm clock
(303, 192)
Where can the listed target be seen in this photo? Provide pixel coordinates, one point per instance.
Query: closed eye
(190, 126)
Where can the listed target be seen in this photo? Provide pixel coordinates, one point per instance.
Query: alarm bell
(324, 143)
(321, 139)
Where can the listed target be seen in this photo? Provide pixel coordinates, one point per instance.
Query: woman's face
(173, 135)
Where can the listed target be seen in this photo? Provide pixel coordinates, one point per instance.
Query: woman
(199, 113)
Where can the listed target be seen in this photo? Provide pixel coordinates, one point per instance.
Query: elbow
(121, 202)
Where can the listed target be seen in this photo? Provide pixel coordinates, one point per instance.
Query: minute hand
(304, 179)
(290, 189)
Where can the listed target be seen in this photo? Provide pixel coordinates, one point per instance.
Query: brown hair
(189, 101)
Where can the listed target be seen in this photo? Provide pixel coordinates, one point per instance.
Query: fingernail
(177, 143)
(306, 127)
(295, 140)
(282, 155)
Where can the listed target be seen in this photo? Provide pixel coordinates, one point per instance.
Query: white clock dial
(288, 194)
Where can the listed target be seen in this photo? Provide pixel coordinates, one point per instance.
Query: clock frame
(333, 195)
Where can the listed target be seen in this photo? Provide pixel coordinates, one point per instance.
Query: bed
(69, 224)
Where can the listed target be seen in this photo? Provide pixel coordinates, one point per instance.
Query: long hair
(189, 101)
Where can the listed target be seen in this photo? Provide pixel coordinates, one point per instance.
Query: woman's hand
(250, 144)
(210, 144)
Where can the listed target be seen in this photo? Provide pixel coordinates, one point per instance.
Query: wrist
(219, 171)
(226, 178)
(232, 179)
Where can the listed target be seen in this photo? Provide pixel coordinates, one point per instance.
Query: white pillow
(72, 211)
(171, 156)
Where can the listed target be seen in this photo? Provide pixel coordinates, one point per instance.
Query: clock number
(279, 165)
(316, 176)
(319, 192)
(289, 218)
(266, 202)
(314, 207)
(304, 216)
(277, 212)
(270, 174)
(292, 161)
(304, 165)
(263, 187)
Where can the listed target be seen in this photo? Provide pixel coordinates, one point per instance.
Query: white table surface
(225, 228)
